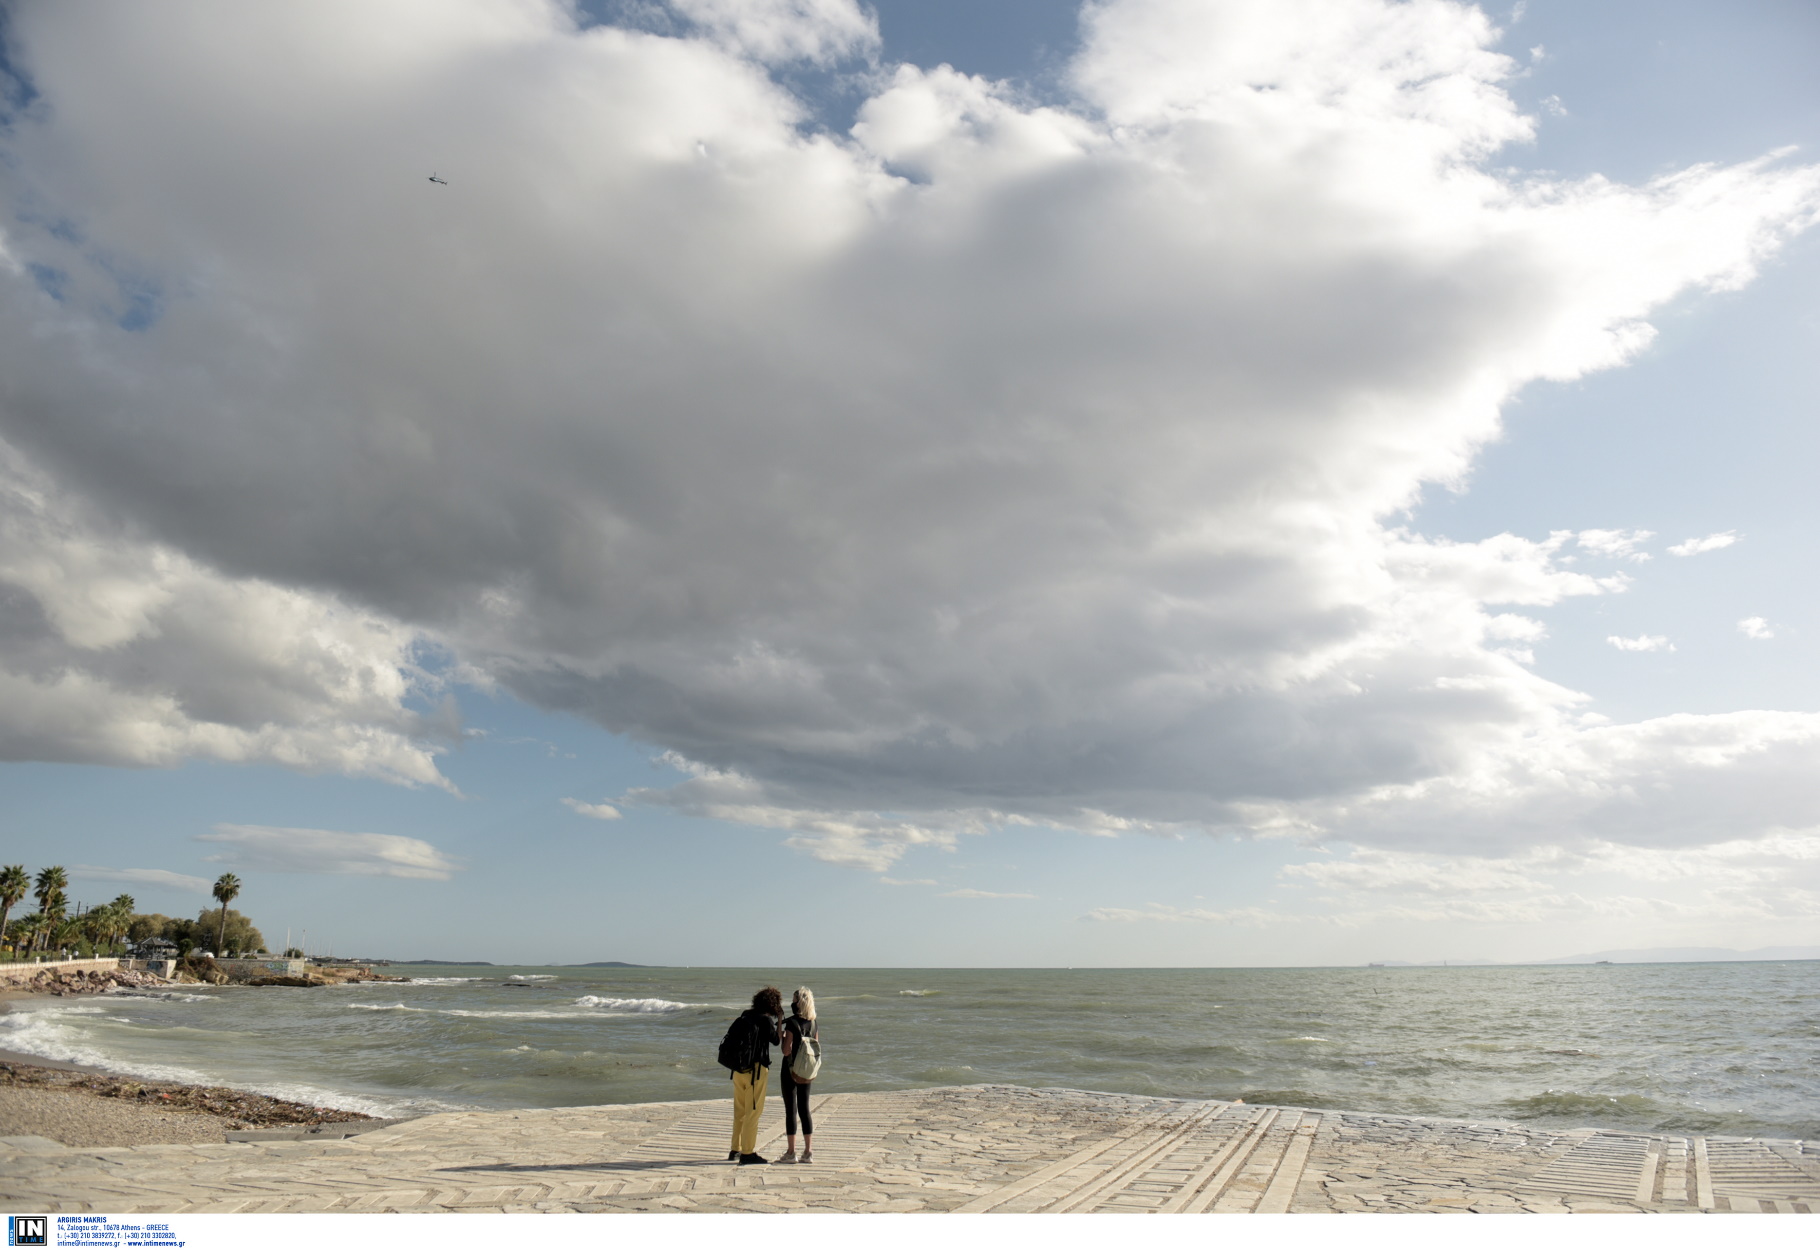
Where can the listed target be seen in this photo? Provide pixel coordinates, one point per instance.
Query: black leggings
(796, 1095)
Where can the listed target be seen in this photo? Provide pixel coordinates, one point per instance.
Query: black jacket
(765, 1035)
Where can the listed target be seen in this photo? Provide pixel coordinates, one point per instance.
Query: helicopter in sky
(441, 182)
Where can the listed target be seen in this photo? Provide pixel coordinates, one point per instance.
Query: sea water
(1693, 1048)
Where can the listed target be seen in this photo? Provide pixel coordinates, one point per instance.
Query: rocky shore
(60, 984)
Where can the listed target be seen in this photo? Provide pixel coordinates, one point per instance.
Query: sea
(1725, 1048)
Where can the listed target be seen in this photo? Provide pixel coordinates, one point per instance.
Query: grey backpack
(806, 1059)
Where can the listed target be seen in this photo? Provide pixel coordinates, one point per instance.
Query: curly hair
(769, 1000)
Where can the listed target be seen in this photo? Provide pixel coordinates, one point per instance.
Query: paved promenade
(976, 1148)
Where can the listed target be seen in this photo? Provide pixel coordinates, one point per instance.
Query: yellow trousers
(748, 1105)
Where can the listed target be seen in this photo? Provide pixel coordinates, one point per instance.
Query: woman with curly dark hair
(763, 1019)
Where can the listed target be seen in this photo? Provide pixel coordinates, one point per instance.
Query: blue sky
(357, 532)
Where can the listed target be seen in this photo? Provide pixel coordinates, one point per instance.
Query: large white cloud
(993, 462)
(118, 649)
(331, 851)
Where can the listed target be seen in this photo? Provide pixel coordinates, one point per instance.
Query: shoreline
(60, 1100)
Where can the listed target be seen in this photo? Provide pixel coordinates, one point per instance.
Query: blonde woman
(800, 1024)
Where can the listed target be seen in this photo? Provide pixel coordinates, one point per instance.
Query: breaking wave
(634, 1006)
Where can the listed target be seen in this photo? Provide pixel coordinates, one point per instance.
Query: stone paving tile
(977, 1148)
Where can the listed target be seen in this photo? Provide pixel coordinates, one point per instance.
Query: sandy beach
(83, 1106)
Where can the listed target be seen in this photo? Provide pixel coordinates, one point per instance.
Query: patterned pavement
(970, 1149)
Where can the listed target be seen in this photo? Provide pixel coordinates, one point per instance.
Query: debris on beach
(243, 1110)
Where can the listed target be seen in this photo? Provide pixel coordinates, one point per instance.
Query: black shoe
(732, 1156)
(749, 1160)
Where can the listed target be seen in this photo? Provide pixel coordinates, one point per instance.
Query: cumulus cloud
(1729, 882)
(1712, 542)
(162, 878)
(1755, 627)
(1615, 543)
(989, 462)
(781, 31)
(596, 811)
(119, 649)
(264, 848)
(1672, 781)
(1642, 642)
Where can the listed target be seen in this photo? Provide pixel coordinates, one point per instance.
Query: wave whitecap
(531, 976)
(48, 1034)
(444, 980)
(635, 1006)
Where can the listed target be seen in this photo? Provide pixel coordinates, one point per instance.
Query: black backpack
(738, 1049)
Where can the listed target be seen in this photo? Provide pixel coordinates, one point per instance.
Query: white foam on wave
(522, 1015)
(633, 1006)
(442, 980)
(531, 976)
(480, 1014)
(50, 1033)
(918, 993)
(169, 996)
(382, 1108)
(56, 1033)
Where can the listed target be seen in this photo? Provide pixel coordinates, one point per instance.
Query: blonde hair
(803, 1003)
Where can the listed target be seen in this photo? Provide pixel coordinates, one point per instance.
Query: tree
(143, 928)
(93, 926)
(56, 911)
(51, 882)
(119, 915)
(24, 931)
(236, 934)
(182, 935)
(15, 884)
(227, 888)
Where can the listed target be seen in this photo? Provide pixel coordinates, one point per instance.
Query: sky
(1162, 483)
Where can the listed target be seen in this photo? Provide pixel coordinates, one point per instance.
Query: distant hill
(444, 963)
(1688, 955)
(608, 963)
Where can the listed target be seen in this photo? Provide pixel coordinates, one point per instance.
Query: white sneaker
(789, 1156)
(808, 1157)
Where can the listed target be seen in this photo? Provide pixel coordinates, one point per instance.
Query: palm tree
(15, 884)
(51, 881)
(24, 931)
(67, 931)
(54, 911)
(120, 915)
(227, 889)
(93, 925)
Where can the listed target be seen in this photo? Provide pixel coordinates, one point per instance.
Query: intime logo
(28, 1230)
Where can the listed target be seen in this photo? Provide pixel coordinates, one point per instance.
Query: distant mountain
(1688, 955)
(445, 963)
(609, 963)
